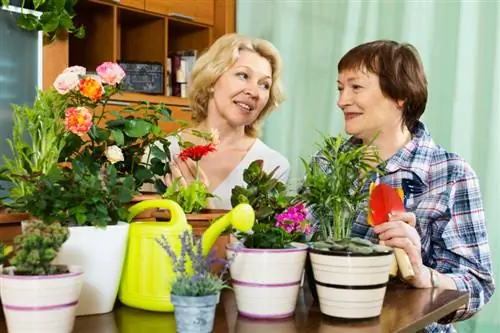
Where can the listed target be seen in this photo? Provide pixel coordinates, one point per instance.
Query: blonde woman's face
(242, 92)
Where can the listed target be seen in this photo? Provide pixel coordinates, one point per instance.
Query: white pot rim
(296, 247)
(73, 271)
(118, 224)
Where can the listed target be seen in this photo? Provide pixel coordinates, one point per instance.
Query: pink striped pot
(40, 303)
(266, 282)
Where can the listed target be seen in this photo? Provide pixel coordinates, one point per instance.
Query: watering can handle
(177, 215)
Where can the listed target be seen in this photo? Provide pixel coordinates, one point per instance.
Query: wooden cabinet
(138, 4)
(201, 11)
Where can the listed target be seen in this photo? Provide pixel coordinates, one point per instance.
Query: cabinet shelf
(136, 97)
(147, 31)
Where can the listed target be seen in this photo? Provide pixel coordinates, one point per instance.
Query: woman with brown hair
(382, 94)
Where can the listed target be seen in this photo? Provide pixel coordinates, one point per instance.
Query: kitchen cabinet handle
(186, 109)
(182, 16)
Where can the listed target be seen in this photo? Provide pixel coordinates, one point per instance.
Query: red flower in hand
(196, 152)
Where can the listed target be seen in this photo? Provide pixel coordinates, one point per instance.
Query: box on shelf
(143, 77)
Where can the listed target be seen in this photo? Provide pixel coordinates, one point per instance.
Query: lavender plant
(193, 270)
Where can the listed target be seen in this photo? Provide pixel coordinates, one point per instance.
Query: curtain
(459, 42)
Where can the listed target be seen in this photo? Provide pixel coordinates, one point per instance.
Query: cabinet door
(197, 10)
(139, 4)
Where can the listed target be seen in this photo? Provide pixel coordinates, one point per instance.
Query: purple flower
(293, 219)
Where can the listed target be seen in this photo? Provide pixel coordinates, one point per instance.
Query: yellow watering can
(147, 272)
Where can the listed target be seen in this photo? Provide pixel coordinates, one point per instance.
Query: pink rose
(110, 72)
(78, 120)
(65, 82)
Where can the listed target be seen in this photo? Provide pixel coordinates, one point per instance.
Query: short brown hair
(400, 71)
(217, 60)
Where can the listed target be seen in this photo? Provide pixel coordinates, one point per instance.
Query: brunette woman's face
(367, 111)
(242, 92)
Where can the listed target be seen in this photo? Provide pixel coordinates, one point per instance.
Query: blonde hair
(217, 60)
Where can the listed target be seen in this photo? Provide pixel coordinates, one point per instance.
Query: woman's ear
(400, 104)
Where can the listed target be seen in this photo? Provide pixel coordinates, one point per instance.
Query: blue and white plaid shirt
(442, 190)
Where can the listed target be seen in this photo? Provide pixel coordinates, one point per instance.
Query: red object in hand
(384, 200)
(196, 152)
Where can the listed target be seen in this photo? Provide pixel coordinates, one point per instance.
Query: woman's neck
(229, 137)
(389, 143)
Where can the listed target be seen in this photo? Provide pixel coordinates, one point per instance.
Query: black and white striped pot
(350, 285)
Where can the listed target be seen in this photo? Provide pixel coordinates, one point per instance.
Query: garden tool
(147, 272)
(384, 200)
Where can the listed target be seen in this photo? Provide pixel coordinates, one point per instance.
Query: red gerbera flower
(196, 152)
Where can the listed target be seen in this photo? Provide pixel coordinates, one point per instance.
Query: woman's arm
(462, 254)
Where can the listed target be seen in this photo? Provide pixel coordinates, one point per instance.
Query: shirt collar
(414, 157)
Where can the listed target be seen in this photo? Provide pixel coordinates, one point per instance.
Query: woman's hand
(186, 172)
(399, 232)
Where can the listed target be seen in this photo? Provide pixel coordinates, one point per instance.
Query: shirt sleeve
(466, 254)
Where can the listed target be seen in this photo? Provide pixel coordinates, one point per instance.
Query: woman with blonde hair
(233, 87)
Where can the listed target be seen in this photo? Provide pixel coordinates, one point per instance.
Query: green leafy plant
(334, 190)
(193, 270)
(38, 137)
(37, 247)
(79, 195)
(55, 15)
(278, 221)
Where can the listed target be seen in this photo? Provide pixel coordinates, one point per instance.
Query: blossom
(91, 87)
(196, 152)
(294, 219)
(114, 154)
(65, 82)
(79, 70)
(78, 120)
(111, 73)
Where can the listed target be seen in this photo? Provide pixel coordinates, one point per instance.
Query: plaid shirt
(442, 190)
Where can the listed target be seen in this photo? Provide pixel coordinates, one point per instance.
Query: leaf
(135, 128)
(142, 173)
(27, 22)
(159, 153)
(118, 136)
(116, 122)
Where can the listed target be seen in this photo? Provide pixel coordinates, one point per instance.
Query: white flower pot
(101, 253)
(350, 285)
(40, 304)
(266, 282)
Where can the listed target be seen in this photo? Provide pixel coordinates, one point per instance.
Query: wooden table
(405, 310)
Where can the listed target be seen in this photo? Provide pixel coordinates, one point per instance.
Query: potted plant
(37, 295)
(349, 274)
(90, 202)
(95, 168)
(195, 289)
(56, 16)
(267, 271)
(33, 156)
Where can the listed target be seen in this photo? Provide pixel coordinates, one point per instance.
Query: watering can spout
(241, 217)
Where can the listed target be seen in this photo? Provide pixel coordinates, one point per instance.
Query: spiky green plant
(37, 246)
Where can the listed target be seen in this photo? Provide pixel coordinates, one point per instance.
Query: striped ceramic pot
(266, 282)
(40, 304)
(350, 285)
